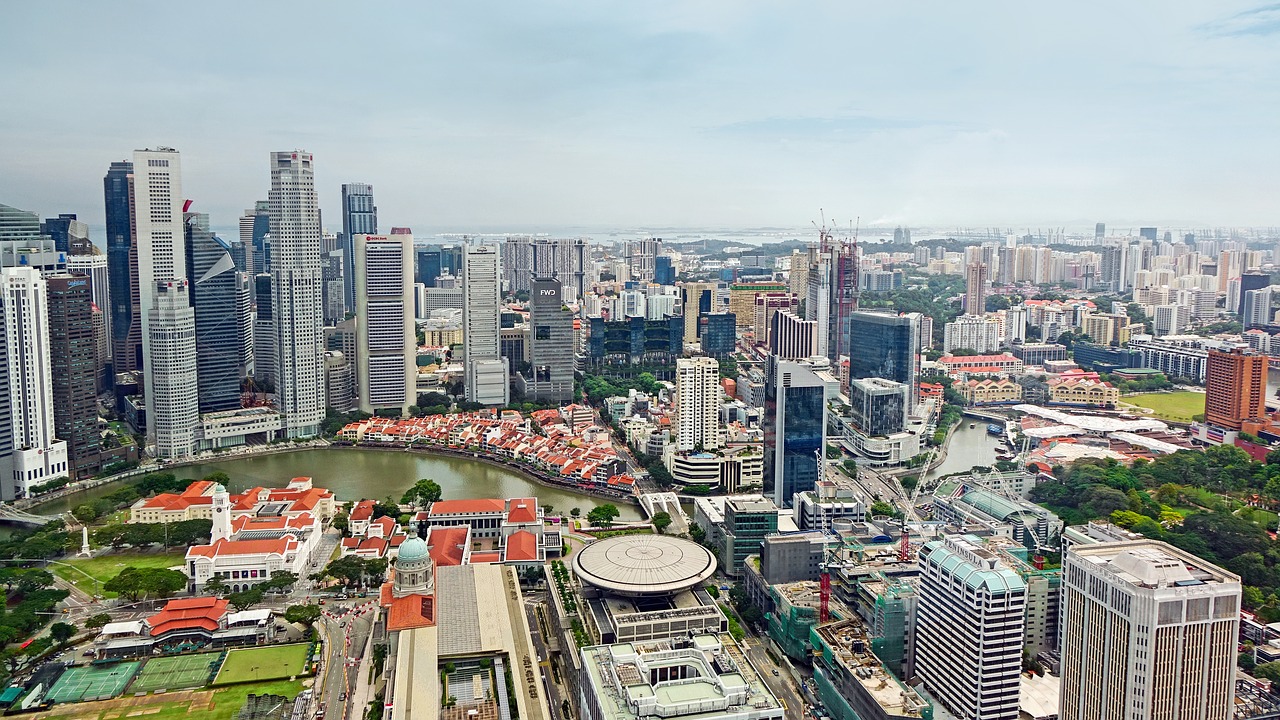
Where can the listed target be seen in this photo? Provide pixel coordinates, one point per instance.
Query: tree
(245, 599)
(603, 515)
(575, 512)
(216, 586)
(661, 520)
(305, 614)
(281, 581)
(424, 492)
(62, 632)
(881, 507)
(135, 583)
(1268, 671)
(341, 522)
(97, 621)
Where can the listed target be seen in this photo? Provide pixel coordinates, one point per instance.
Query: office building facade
(486, 375)
(887, 348)
(1148, 631)
(359, 217)
(73, 351)
(795, 422)
(719, 334)
(969, 629)
(122, 269)
(550, 343)
(879, 406)
(215, 288)
(295, 286)
(386, 373)
(264, 334)
(38, 455)
(173, 405)
(791, 338)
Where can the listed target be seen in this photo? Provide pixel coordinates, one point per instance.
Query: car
(321, 601)
(342, 624)
(775, 671)
(342, 697)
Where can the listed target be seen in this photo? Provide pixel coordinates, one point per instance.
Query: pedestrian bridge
(11, 514)
(669, 503)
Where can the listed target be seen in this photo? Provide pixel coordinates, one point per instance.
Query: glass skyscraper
(216, 289)
(359, 217)
(122, 272)
(886, 347)
(795, 411)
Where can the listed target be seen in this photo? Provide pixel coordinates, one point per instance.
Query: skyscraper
(386, 373)
(791, 338)
(264, 334)
(74, 364)
(359, 217)
(7, 491)
(641, 255)
(122, 268)
(878, 406)
(215, 291)
(38, 456)
(93, 265)
(427, 267)
(173, 400)
(696, 299)
(975, 288)
(1235, 387)
(697, 404)
(159, 244)
(969, 629)
(295, 287)
(795, 422)
(1148, 631)
(486, 373)
(550, 343)
(60, 230)
(1252, 280)
(886, 348)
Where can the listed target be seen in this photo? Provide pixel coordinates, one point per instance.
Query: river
(967, 447)
(353, 474)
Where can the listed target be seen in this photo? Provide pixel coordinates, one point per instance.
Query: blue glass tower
(359, 217)
(122, 275)
(795, 422)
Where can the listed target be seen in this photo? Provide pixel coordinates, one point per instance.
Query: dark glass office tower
(795, 420)
(122, 269)
(215, 294)
(264, 336)
(664, 273)
(359, 217)
(74, 365)
(59, 229)
(427, 268)
(550, 343)
(719, 334)
(886, 347)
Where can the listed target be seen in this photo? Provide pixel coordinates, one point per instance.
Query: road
(556, 693)
(344, 627)
(783, 684)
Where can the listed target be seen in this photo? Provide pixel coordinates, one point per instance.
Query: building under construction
(832, 291)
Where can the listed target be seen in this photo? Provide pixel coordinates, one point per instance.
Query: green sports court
(95, 682)
(178, 672)
(267, 662)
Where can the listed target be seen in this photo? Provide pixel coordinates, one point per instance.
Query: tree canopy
(603, 516)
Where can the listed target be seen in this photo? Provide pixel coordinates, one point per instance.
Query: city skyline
(710, 115)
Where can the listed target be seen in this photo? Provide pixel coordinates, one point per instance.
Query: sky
(517, 116)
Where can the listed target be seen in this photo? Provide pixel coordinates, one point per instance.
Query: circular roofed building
(640, 565)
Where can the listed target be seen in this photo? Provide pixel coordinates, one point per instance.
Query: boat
(994, 429)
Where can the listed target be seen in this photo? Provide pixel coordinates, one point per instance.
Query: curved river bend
(353, 473)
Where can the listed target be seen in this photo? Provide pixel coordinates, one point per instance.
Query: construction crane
(904, 544)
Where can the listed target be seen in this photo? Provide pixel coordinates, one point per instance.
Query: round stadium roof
(644, 564)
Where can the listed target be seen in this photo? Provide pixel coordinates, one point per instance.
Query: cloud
(1260, 21)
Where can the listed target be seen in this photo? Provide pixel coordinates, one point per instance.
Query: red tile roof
(409, 612)
(279, 545)
(448, 545)
(186, 613)
(363, 510)
(522, 545)
(481, 558)
(467, 507)
(523, 510)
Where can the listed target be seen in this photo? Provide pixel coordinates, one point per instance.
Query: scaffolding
(890, 625)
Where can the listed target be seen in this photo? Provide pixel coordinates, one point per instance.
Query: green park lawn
(266, 663)
(1177, 406)
(105, 567)
(225, 704)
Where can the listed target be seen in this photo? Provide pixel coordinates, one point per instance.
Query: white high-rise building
(174, 403)
(969, 629)
(37, 455)
(296, 293)
(486, 374)
(386, 370)
(697, 403)
(160, 241)
(1148, 631)
(817, 306)
(980, 333)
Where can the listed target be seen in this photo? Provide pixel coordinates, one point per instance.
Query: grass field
(94, 681)
(175, 673)
(195, 705)
(262, 663)
(1177, 406)
(108, 566)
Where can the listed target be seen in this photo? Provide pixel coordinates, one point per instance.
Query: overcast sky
(484, 115)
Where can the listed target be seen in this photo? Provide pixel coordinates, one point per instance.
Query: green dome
(415, 548)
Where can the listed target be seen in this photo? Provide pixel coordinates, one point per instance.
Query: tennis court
(91, 683)
(269, 662)
(178, 672)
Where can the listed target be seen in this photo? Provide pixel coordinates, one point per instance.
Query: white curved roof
(1093, 423)
(644, 564)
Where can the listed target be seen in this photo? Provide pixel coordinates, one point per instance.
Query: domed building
(409, 596)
